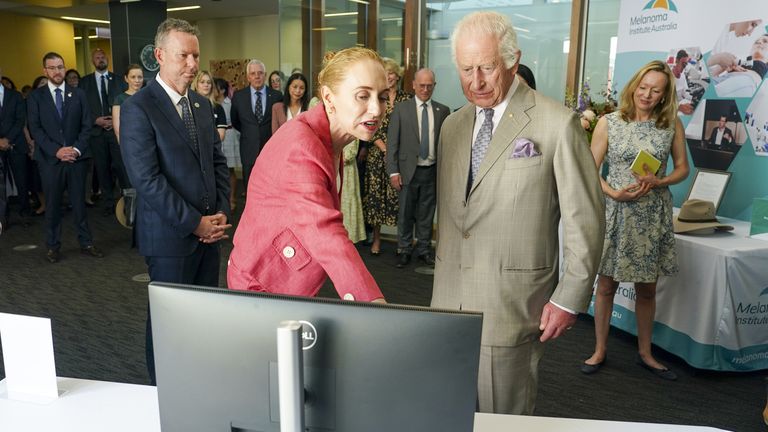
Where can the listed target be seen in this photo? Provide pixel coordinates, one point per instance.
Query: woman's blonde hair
(665, 112)
(391, 66)
(215, 95)
(336, 65)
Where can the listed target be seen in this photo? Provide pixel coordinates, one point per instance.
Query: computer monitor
(367, 367)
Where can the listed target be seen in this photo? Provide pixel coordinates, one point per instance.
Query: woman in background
(639, 239)
(231, 143)
(291, 236)
(276, 81)
(134, 77)
(72, 77)
(380, 204)
(297, 97)
(203, 84)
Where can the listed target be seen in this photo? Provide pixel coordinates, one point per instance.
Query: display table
(714, 312)
(96, 406)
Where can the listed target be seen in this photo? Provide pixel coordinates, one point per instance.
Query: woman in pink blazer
(296, 99)
(291, 235)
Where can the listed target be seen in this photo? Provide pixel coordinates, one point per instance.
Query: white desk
(96, 406)
(714, 312)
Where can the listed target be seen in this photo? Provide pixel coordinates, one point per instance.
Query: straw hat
(696, 215)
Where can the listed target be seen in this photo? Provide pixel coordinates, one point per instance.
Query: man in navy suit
(13, 150)
(173, 156)
(60, 123)
(252, 115)
(101, 88)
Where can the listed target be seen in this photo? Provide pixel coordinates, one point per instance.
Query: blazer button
(349, 296)
(466, 235)
(289, 252)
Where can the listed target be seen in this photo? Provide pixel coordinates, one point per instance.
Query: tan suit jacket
(497, 249)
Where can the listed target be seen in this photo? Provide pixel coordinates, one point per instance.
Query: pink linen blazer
(291, 235)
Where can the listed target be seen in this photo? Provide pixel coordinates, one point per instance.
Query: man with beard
(101, 88)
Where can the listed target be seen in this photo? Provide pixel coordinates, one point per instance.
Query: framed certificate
(709, 185)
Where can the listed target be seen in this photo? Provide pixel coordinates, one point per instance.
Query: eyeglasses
(275, 80)
(54, 68)
(425, 86)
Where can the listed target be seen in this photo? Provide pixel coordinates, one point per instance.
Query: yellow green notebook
(645, 158)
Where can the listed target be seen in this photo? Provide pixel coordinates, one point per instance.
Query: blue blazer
(12, 118)
(175, 185)
(51, 132)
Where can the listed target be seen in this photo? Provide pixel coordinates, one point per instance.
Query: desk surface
(94, 406)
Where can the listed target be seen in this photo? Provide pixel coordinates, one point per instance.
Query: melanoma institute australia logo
(655, 17)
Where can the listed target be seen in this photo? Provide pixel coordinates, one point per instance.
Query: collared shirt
(175, 96)
(719, 137)
(52, 90)
(430, 160)
(262, 94)
(98, 76)
(498, 111)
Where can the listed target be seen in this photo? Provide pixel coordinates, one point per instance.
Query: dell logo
(308, 335)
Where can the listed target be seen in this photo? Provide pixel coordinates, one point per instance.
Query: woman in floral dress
(639, 239)
(380, 204)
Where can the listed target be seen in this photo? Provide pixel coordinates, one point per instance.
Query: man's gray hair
(255, 62)
(173, 24)
(424, 69)
(489, 23)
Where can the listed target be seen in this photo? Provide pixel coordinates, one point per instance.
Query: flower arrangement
(590, 111)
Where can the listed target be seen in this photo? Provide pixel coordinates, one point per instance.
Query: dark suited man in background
(13, 150)
(173, 156)
(412, 137)
(721, 137)
(59, 121)
(252, 115)
(101, 87)
(512, 165)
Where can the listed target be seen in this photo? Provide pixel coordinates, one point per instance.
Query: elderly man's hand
(554, 322)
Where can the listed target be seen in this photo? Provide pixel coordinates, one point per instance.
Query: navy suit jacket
(91, 89)
(175, 185)
(253, 134)
(51, 132)
(12, 118)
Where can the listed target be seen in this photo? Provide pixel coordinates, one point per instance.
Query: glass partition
(543, 29)
(600, 53)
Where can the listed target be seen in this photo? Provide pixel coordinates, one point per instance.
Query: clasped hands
(104, 122)
(213, 228)
(640, 188)
(67, 154)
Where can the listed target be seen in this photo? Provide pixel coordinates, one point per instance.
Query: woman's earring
(329, 110)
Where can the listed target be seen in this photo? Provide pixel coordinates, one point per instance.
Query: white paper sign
(30, 370)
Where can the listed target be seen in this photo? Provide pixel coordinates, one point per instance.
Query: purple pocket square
(524, 148)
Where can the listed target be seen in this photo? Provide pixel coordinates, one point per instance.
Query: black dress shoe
(405, 259)
(91, 251)
(427, 259)
(53, 256)
(665, 373)
(589, 369)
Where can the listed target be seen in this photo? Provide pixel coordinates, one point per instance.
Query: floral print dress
(380, 204)
(639, 239)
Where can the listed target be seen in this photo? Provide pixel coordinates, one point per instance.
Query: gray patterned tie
(189, 122)
(258, 108)
(424, 146)
(481, 143)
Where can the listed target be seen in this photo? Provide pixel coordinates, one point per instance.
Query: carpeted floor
(98, 316)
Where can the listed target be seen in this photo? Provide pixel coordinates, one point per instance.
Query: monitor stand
(290, 376)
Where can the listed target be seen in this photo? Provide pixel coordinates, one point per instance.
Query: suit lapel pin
(437, 108)
(197, 105)
(69, 94)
